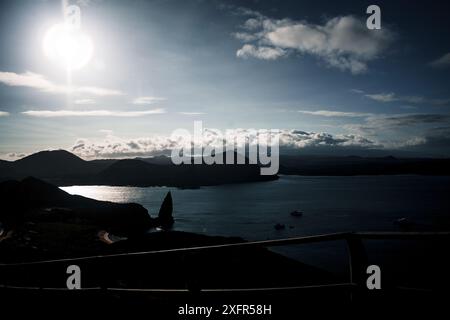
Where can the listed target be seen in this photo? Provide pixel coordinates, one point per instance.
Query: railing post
(358, 263)
(2, 276)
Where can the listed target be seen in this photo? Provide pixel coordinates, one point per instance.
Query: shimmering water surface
(330, 204)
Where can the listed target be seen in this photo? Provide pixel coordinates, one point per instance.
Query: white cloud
(12, 156)
(442, 62)
(261, 52)
(148, 100)
(392, 97)
(342, 42)
(358, 137)
(302, 139)
(84, 101)
(396, 126)
(382, 97)
(39, 82)
(4, 114)
(245, 37)
(27, 79)
(115, 147)
(328, 113)
(252, 24)
(407, 120)
(93, 113)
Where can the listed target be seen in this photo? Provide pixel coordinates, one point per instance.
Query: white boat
(296, 213)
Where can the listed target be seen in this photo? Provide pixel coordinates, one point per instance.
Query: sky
(311, 69)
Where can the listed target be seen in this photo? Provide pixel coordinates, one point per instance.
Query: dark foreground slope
(33, 200)
(79, 228)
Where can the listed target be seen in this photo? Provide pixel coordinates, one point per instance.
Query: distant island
(63, 168)
(315, 165)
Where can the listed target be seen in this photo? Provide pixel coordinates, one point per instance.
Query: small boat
(296, 213)
(279, 226)
(404, 223)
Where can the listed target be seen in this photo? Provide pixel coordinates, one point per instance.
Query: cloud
(261, 52)
(439, 138)
(148, 100)
(252, 23)
(13, 156)
(84, 101)
(115, 147)
(434, 139)
(382, 97)
(435, 142)
(442, 62)
(397, 126)
(408, 120)
(93, 113)
(39, 82)
(4, 114)
(27, 79)
(245, 37)
(342, 42)
(301, 139)
(392, 97)
(328, 113)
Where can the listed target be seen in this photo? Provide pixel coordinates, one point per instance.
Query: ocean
(329, 204)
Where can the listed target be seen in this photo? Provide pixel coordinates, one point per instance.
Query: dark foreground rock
(32, 200)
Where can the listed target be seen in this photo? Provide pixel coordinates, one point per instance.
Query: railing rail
(261, 243)
(356, 253)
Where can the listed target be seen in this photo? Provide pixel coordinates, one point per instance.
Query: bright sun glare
(68, 46)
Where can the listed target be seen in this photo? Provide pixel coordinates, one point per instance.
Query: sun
(68, 46)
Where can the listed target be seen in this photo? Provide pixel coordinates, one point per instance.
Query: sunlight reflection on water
(330, 204)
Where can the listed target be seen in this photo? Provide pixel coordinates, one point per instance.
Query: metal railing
(356, 252)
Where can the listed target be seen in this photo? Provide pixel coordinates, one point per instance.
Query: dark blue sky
(310, 68)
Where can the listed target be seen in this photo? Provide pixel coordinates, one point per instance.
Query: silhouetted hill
(6, 169)
(166, 160)
(131, 167)
(63, 168)
(56, 157)
(143, 173)
(160, 160)
(353, 165)
(57, 165)
(32, 199)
